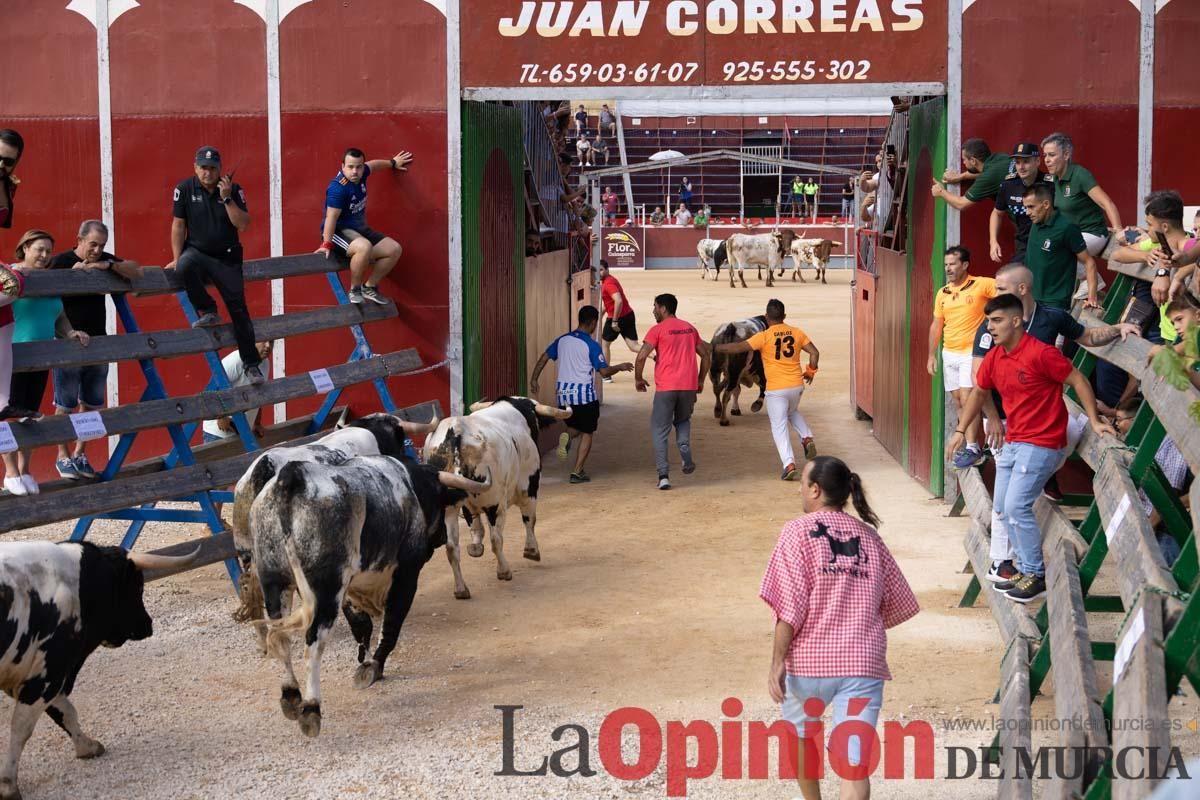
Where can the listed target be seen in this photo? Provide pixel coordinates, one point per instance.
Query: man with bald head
(1044, 323)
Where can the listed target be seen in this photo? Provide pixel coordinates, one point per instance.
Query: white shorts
(1099, 246)
(957, 370)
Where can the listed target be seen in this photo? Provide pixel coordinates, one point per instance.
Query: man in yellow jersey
(957, 312)
(780, 345)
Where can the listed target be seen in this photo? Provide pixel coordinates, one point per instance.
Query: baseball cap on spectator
(1025, 150)
(208, 156)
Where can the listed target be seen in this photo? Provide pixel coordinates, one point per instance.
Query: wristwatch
(1162, 272)
(226, 200)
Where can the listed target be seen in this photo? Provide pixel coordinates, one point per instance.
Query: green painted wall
(487, 127)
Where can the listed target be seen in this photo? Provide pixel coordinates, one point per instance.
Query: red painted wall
(188, 74)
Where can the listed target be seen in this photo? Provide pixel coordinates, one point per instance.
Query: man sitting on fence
(1029, 375)
(235, 372)
(372, 254)
(85, 388)
(209, 212)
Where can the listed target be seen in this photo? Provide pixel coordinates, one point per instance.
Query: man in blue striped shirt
(578, 357)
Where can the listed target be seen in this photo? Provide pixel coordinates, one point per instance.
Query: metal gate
(493, 274)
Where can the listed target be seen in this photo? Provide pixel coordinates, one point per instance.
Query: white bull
(498, 439)
(760, 250)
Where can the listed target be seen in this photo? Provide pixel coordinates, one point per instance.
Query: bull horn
(420, 427)
(551, 411)
(145, 561)
(343, 419)
(455, 481)
(480, 405)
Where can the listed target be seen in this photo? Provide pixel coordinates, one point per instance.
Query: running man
(780, 346)
(372, 254)
(957, 313)
(677, 343)
(578, 359)
(620, 319)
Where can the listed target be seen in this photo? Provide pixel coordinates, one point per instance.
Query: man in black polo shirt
(85, 388)
(1010, 201)
(209, 211)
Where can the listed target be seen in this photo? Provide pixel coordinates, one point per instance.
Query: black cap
(1025, 150)
(208, 156)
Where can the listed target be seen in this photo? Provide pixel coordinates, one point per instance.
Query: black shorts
(625, 326)
(585, 418)
(27, 389)
(344, 236)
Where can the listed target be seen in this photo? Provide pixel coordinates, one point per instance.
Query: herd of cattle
(760, 250)
(345, 523)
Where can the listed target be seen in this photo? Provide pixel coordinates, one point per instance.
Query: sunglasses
(8, 161)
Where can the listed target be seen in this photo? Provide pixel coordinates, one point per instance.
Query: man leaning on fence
(85, 388)
(209, 213)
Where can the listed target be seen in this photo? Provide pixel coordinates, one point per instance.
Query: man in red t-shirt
(619, 318)
(676, 382)
(1029, 375)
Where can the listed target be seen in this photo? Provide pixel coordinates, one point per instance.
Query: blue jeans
(1022, 470)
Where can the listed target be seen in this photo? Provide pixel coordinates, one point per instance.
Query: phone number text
(609, 73)
(795, 71)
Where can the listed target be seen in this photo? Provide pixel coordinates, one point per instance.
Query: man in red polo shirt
(1029, 375)
(619, 318)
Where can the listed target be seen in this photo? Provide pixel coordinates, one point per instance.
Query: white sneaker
(15, 486)
(664, 483)
(1082, 292)
(31, 485)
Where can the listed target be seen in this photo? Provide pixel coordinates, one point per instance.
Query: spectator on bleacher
(957, 313)
(847, 198)
(1056, 245)
(344, 228)
(702, 217)
(986, 169)
(11, 148)
(797, 196)
(612, 204)
(685, 193)
(1174, 468)
(84, 388)
(657, 217)
(1183, 312)
(1010, 202)
(37, 319)
(811, 191)
(600, 151)
(583, 148)
(12, 284)
(870, 180)
(1029, 375)
(208, 214)
(235, 372)
(581, 121)
(608, 122)
(682, 215)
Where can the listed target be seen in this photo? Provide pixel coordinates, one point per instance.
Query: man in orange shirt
(780, 345)
(957, 312)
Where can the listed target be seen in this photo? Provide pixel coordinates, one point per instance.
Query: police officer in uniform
(209, 212)
(1009, 201)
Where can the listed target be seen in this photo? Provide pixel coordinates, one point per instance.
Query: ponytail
(839, 484)
(859, 499)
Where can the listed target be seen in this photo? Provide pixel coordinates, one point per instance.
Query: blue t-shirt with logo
(577, 356)
(350, 199)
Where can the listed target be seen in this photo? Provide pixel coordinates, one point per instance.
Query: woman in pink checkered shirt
(834, 589)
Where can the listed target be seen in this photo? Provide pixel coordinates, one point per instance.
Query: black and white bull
(374, 434)
(499, 439)
(729, 372)
(710, 252)
(352, 537)
(760, 250)
(58, 603)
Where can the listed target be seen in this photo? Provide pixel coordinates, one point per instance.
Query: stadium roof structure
(716, 155)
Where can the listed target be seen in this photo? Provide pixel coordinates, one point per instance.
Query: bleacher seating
(717, 183)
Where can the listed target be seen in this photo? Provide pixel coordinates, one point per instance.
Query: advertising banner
(598, 43)
(624, 248)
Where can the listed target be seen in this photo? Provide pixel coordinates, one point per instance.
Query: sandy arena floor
(643, 598)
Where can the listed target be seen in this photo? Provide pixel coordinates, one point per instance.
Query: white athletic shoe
(31, 485)
(15, 486)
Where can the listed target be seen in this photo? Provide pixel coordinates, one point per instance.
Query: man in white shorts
(957, 312)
